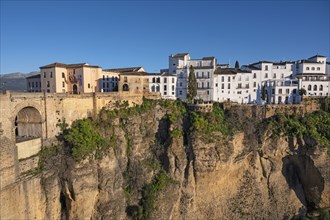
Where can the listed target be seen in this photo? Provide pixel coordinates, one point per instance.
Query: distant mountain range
(15, 81)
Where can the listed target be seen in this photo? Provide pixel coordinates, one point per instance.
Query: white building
(109, 81)
(33, 83)
(179, 64)
(313, 75)
(233, 85)
(282, 91)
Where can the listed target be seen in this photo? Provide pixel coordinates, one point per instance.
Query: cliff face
(162, 168)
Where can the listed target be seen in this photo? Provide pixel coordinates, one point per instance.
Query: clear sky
(144, 33)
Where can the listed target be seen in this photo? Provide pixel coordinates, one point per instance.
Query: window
(63, 75)
(287, 91)
(239, 86)
(208, 84)
(274, 75)
(44, 74)
(125, 79)
(165, 93)
(180, 84)
(29, 84)
(165, 87)
(32, 84)
(216, 85)
(180, 92)
(282, 75)
(173, 80)
(108, 85)
(157, 88)
(48, 84)
(208, 74)
(309, 88)
(63, 84)
(172, 87)
(222, 86)
(228, 78)
(158, 80)
(321, 87)
(228, 85)
(254, 84)
(307, 68)
(266, 75)
(165, 80)
(266, 67)
(313, 68)
(315, 87)
(51, 74)
(89, 85)
(254, 75)
(222, 79)
(104, 85)
(318, 68)
(103, 76)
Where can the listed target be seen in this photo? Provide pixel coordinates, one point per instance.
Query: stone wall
(266, 111)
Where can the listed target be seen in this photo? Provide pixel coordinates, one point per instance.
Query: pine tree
(236, 64)
(192, 84)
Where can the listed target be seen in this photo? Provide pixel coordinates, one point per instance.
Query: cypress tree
(192, 84)
(236, 64)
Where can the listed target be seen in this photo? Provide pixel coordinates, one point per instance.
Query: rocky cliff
(163, 161)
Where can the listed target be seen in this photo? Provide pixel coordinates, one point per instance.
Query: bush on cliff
(84, 139)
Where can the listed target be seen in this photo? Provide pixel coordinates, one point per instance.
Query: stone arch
(28, 123)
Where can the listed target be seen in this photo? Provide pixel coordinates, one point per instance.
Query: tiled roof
(308, 61)
(33, 77)
(208, 58)
(252, 67)
(225, 71)
(78, 65)
(126, 69)
(317, 56)
(263, 61)
(168, 74)
(180, 55)
(135, 73)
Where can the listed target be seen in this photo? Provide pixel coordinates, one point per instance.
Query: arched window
(75, 89)
(307, 68)
(315, 87)
(318, 68)
(313, 68)
(125, 87)
(321, 87)
(309, 88)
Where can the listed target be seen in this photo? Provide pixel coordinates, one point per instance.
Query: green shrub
(84, 139)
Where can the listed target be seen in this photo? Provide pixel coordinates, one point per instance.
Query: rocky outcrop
(245, 176)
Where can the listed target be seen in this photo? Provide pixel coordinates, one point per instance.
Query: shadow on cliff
(304, 179)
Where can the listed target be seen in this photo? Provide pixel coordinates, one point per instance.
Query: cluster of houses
(264, 81)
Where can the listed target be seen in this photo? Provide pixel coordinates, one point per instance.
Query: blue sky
(144, 33)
